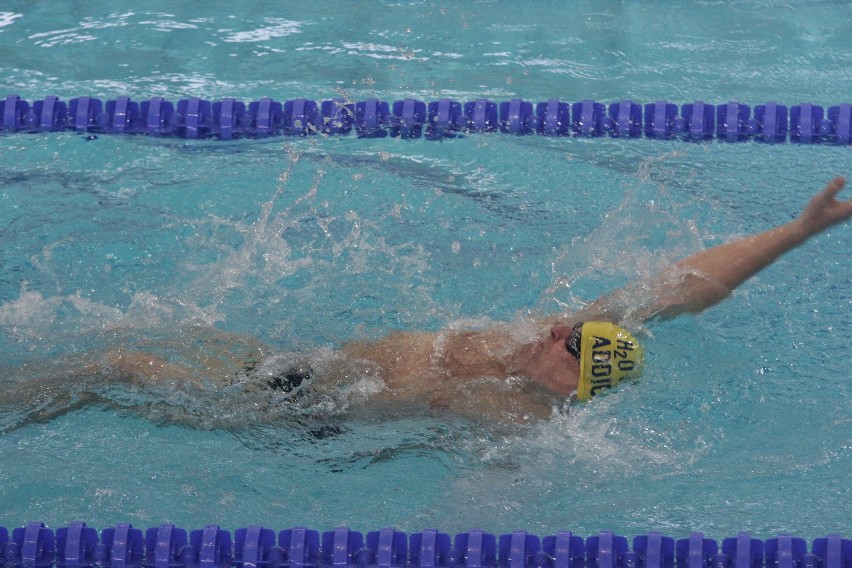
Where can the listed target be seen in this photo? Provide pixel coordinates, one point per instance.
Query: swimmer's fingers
(839, 210)
(825, 210)
(833, 187)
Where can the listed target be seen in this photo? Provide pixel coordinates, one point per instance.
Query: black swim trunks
(288, 381)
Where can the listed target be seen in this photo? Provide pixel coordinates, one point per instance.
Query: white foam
(60, 37)
(33, 316)
(28, 311)
(278, 27)
(8, 18)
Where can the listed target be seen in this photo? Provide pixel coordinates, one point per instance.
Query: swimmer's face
(552, 365)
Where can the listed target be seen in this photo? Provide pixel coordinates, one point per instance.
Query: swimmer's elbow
(694, 294)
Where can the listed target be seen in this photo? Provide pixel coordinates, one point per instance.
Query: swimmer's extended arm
(708, 277)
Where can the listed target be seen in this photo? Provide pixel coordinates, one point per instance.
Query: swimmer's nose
(560, 332)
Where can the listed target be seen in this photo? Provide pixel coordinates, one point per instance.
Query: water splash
(637, 239)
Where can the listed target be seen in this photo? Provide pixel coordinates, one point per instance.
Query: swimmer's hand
(825, 210)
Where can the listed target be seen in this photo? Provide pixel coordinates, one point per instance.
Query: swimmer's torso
(418, 360)
(474, 372)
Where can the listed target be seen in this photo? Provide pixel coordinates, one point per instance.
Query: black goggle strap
(572, 344)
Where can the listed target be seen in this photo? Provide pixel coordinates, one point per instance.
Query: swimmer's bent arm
(708, 277)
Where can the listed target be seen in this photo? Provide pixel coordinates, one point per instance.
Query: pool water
(741, 421)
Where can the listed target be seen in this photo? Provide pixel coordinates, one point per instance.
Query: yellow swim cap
(608, 355)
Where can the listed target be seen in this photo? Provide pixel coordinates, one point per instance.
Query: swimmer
(503, 371)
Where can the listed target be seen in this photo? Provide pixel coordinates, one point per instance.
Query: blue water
(742, 419)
